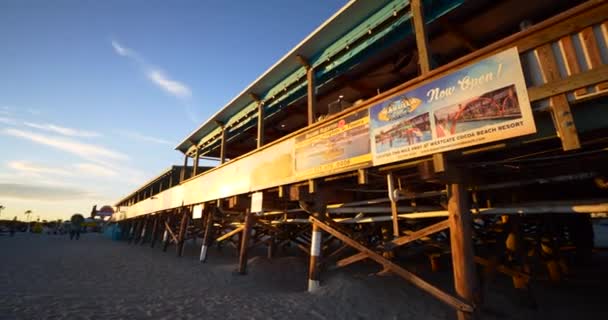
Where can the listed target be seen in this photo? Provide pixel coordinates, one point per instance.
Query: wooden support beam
(312, 186)
(182, 174)
(196, 161)
(562, 115)
(183, 228)
(576, 82)
(351, 259)
(207, 238)
(144, 229)
(249, 222)
(315, 255)
(416, 235)
(421, 36)
(312, 95)
(260, 141)
(137, 231)
(155, 227)
(439, 163)
(222, 141)
(390, 181)
(425, 61)
(362, 176)
(571, 62)
(230, 234)
(132, 225)
(168, 234)
(592, 52)
(419, 234)
(450, 300)
(310, 89)
(461, 242)
(267, 226)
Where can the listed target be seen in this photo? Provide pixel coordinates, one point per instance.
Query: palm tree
(1, 208)
(27, 214)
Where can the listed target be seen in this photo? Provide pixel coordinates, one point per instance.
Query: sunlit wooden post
(393, 198)
(207, 236)
(315, 255)
(421, 36)
(424, 61)
(222, 141)
(196, 160)
(245, 241)
(310, 89)
(183, 228)
(182, 175)
(260, 105)
(461, 241)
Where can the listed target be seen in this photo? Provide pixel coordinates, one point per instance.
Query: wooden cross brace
(399, 242)
(170, 232)
(396, 269)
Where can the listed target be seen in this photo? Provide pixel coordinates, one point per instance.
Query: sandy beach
(51, 277)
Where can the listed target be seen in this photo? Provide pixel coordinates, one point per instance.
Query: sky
(95, 95)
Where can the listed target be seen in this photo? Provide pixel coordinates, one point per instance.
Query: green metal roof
(327, 49)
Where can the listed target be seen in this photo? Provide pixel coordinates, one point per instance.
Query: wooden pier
(319, 153)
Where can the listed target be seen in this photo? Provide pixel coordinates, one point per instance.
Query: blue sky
(94, 95)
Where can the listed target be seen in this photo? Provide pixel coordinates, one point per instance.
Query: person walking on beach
(75, 225)
(12, 226)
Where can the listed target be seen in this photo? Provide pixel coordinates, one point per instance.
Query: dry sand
(51, 277)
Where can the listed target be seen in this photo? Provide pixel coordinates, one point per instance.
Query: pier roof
(334, 46)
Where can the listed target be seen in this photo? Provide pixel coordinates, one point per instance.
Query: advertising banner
(341, 145)
(481, 103)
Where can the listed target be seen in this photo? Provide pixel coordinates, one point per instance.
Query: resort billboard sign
(481, 103)
(341, 145)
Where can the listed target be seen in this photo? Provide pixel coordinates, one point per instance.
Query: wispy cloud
(34, 112)
(30, 168)
(120, 50)
(140, 137)
(9, 121)
(95, 170)
(5, 110)
(154, 74)
(79, 169)
(41, 192)
(171, 86)
(85, 150)
(62, 130)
